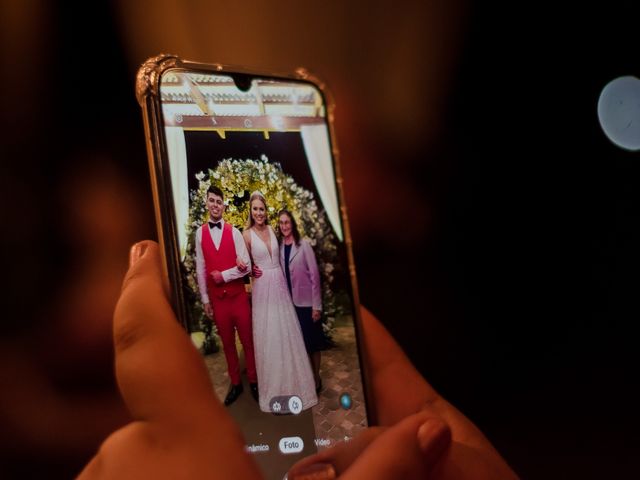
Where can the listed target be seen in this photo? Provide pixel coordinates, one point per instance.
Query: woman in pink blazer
(303, 279)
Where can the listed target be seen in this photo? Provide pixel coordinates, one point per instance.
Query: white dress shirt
(228, 275)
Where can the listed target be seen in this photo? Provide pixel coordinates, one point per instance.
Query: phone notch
(242, 81)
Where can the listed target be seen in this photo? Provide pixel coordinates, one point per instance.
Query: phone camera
(242, 81)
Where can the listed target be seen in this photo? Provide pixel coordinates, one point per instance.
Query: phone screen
(264, 260)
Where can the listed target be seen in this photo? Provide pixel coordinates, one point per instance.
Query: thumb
(157, 367)
(409, 449)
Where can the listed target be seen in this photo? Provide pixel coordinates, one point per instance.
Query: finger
(158, 369)
(136, 251)
(335, 460)
(390, 372)
(409, 450)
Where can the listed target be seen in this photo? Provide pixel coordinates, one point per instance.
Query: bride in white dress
(282, 363)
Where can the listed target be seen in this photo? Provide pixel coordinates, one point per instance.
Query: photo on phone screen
(264, 260)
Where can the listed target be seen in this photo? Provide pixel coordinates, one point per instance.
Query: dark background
(497, 239)
(282, 147)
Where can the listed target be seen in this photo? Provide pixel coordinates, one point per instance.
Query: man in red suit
(218, 246)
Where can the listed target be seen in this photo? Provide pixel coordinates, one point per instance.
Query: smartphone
(255, 242)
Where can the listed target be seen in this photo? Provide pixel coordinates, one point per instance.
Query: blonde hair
(257, 195)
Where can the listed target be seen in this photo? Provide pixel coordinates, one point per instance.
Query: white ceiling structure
(207, 101)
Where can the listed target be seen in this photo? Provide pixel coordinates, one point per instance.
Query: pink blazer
(305, 277)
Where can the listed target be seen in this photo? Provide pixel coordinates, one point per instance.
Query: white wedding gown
(281, 358)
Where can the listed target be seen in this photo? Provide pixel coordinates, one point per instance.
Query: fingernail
(315, 471)
(136, 253)
(432, 435)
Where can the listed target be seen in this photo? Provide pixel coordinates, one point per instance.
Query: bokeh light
(619, 112)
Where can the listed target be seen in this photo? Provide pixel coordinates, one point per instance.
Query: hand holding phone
(245, 179)
(166, 440)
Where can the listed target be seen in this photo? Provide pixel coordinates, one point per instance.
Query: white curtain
(177, 151)
(315, 139)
